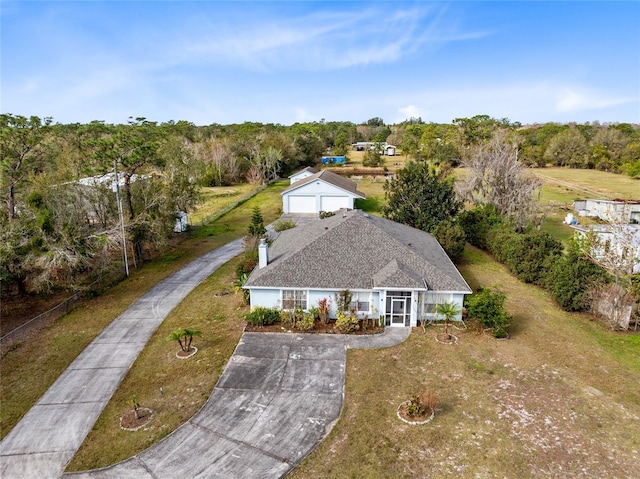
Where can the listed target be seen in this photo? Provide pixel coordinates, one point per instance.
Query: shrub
(347, 323)
(246, 266)
(477, 223)
(570, 279)
(415, 407)
(305, 323)
(487, 307)
(429, 400)
(324, 308)
(452, 238)
(343, 300)
(314, 311)
(260, 316)
(372, 158)
(326, 214)
(282, 225)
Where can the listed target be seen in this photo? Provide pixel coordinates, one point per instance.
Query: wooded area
(61, 228)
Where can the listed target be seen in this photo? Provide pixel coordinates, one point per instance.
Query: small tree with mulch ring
(184, 336)
(449, 311)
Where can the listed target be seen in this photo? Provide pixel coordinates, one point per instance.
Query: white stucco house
(302, 174)
(612, 211)
(322, 191)
(393, 271)
(618, 245)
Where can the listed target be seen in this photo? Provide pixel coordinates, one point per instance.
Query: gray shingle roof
(357, 251)
(310, 169)
(331, 178)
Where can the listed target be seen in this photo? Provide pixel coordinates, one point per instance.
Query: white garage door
(334, 203)
(302, 204)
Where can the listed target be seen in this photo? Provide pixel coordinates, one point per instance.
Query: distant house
(322, 191)
(621, 241)
(612, 211)
(384, 148)
(393, 271)
(302, 174)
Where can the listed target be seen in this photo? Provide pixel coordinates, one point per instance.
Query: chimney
(263, 254)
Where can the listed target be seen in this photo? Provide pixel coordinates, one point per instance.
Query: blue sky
(286, 62)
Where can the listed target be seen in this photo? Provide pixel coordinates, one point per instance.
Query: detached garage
(323, 191)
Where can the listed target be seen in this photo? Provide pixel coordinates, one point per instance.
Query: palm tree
(448, 310)
(184, 336)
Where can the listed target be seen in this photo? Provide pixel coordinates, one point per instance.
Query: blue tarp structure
(329, 160)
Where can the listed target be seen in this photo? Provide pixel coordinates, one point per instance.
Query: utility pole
(124, 238)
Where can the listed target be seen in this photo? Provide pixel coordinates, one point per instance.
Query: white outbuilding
(322, 191)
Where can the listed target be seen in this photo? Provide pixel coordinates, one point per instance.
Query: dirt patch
(132, 420)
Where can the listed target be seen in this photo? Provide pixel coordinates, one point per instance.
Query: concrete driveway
(47, 437)
(276, 400)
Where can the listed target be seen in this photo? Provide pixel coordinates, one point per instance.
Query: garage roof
(331, 178)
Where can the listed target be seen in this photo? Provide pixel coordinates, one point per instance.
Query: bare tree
(497, 176)
(265, 164)
(222, 165)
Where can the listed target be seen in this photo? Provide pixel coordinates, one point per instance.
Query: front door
(398, 309)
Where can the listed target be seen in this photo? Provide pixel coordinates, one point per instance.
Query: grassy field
(561, 398)
(30, 368)
(217, 198)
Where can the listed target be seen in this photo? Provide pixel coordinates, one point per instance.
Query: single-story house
(322, 191)
(613, 211)
(302, 174)
(394, 272)
(619, 244)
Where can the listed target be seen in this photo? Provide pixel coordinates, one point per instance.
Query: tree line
(60, 221)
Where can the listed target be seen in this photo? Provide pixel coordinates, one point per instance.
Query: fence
(218, 214)
(23, 331)
(33, 325)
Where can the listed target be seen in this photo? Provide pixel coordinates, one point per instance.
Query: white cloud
(525, 102)
(409, 111)
(325, 40)
(574, 99)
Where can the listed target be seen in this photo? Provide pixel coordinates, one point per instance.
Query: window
(360, 302)
(294, 298)
(430, 308)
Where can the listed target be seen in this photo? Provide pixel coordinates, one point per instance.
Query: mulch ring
(132, 421)
(186, 354)
(413, 420)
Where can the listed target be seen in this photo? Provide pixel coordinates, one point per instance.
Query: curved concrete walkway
(278, 397)
(47, 437)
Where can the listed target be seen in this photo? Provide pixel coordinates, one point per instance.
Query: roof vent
(367, 215)
(344, 215)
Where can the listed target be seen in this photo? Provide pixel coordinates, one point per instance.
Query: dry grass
(216, 198)
(173, 388)
(590, 183)
(552, 401)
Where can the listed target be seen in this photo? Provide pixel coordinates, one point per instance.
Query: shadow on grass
(372, 204)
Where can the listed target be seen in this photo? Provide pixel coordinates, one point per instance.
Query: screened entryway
(398, 308)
